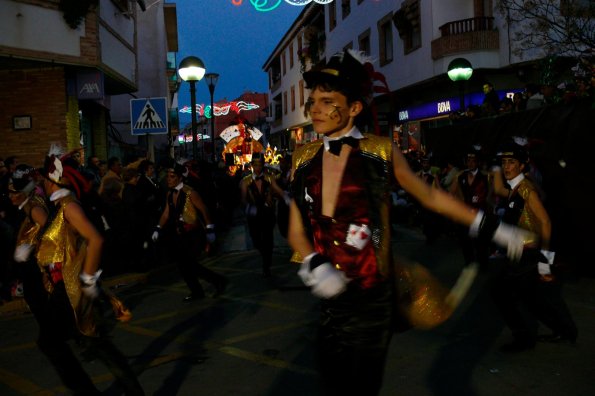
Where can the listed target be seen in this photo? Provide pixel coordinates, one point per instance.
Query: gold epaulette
(379, 146)
(305, 153)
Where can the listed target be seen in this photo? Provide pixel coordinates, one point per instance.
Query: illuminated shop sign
(446, 106)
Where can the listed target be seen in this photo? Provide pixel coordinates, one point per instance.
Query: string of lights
(203, 110)
(266, 5)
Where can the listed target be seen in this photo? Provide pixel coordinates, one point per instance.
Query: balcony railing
(466, 35)
(477, 24)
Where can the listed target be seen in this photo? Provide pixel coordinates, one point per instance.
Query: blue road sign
(148, 116)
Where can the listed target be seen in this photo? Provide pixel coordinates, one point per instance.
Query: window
(301, 93)
(284, 62)
(285, 102)
(408, 23)
(332, 15)
(291, 56)
(345, 8)
(348, 46)
(385, 35)
(292, 97)
(364, 42)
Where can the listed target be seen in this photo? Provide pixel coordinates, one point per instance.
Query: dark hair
(350, 92)
(111, 161)
(144, 165)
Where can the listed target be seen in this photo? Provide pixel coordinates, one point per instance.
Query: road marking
(22, 385)
(261, 359)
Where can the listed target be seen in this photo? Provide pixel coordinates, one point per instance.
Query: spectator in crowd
(518, 102)
(113, 175)
(534, 97)
(491, 101)
(93, 172)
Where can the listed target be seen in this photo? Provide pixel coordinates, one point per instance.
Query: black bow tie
(334, 146)
(173, 190)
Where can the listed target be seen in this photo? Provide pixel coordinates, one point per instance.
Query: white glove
(545, 268)
(513, 239)
(251, 210)
(155, 235)
(22, 252)
(328, 281)
(211, 233)
(89, 284)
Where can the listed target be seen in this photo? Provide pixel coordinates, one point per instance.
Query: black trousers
(353, 338)
(57, 326)
(261, 229)
(524, 300)
(185, 249)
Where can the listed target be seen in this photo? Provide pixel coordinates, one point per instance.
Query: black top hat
(21, 179)
(474, 151)
(513, 150)
(179, 170)
(343, 72)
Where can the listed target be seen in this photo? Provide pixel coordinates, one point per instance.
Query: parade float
(242, 142)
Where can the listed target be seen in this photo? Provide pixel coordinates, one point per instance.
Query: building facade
(61, 68)
(412, 43)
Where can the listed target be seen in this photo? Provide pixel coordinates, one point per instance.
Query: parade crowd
(67, 224)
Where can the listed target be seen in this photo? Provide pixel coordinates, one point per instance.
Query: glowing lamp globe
(460, 69)
(191, 69)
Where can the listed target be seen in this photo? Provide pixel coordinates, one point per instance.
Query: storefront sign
(89, 85)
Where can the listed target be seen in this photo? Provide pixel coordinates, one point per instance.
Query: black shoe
(193, 297)
(517, 346)
(220, 287)
(556, 338)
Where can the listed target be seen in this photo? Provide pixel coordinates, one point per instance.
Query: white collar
(179, 186)
(353, 132)
(61, 193)
(254, 176)
(474, 172)
(515, 181)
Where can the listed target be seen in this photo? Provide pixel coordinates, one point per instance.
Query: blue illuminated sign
(446, 106)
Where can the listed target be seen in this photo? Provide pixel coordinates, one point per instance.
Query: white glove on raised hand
(22, 252)
(89, 285)
(513, 239)
(505, 235)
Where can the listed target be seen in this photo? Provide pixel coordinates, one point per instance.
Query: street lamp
(459, 71)
(212, 79)
(191, 70)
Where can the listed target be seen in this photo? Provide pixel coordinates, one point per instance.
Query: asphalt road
(257, 339)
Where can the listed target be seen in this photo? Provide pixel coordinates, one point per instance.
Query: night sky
(233, 41)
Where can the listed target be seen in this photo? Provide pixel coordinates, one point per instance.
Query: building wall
(41, 94)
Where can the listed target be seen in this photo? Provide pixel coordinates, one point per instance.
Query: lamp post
(212, 79)
(191, 70)
(459, 71)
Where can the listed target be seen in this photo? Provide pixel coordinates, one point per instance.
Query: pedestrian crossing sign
(148, 116)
